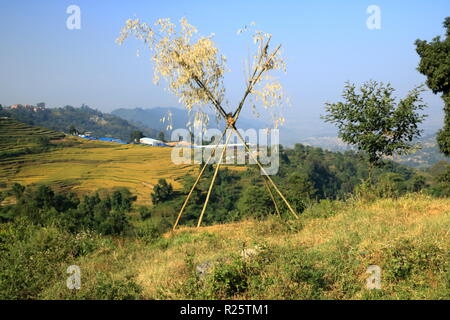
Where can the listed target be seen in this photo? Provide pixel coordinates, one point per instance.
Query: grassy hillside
(16, 137)
(82, 165)
(324, 255)
(92, 165)
(84, 119)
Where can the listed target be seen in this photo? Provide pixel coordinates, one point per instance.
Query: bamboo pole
(271, 196)
(265, 172)
(235, 116)
(213, 179)
(254, 80)
(197, 180)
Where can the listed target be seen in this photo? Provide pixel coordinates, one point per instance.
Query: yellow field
(93, 165)
(84, 165)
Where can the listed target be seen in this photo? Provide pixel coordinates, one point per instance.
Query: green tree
(417, 183)
(161, 136)
(323, 180)
(43, 141)
(300, 190)
(441, 187)
(17, 190)
(390, 185)
(374, 122)
(136, 136)
(256, 202)
(435, 65)
(73, 130)
(162, 191)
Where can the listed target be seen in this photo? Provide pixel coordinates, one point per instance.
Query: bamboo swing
(230, 120)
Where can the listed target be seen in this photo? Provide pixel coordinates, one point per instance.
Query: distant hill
(424, 156)
(327, 143)
(152, 118)
(84, 119)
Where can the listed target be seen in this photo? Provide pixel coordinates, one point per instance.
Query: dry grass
(364, 227)
(314, 258)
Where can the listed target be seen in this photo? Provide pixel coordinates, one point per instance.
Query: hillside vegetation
(425, 156)
(91, 165)
(33, 155)
(76, 205)
(151, 118)
(83, 119)
(18, 138)
(323, 255)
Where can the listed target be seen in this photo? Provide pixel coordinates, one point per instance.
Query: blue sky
(325, 43)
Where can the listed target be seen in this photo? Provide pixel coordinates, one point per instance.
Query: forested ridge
(83, 119)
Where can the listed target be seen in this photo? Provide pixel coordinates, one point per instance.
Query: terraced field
(83, 165)
(16, 136)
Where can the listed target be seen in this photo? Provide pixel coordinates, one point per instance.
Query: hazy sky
(325, 43)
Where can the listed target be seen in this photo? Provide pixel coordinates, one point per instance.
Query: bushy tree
(162, 191)
(73, 130)
(442, 186)
(136, 136)
(324, 181)
(161, 136)
(417, 183)
(42, 206)
(374, 122)
(122, 200)
(17, 190)
(435, 65)
(43, 141)
(256, 202)
(390, 185)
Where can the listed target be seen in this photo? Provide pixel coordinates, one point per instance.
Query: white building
(150, 141)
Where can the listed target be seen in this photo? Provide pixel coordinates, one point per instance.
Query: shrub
(309, 280)
(405, 258)
(442, 186)
(256, 202)
(323, 209)
(162, 191)
(107, 288)
(390, 185)
(152, 229)
(229, 279)
(43, 141)
(32, 258)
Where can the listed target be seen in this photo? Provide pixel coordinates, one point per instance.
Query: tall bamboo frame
(264, 62)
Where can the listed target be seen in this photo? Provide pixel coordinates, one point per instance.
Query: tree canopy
(374, 122)
(136, 136)
(435, 65)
